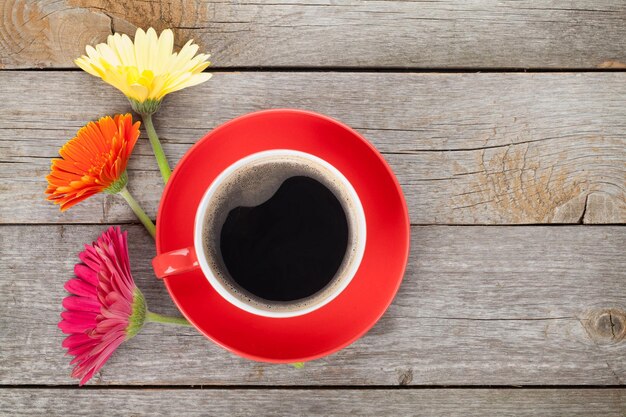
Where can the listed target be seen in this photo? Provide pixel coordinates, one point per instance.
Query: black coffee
(289, 247)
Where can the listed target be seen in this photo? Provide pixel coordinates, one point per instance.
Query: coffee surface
(290, 246)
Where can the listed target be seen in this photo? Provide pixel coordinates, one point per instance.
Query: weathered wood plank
(276, 402)
(323, 33)
(467, 148)
(478, 306)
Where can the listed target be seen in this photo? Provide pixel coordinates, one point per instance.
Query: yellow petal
(128, 46)
(86, 66)
(157, 87)
(141, 50)
(185, 54)
(107, 53)
(146, 78)
(138, 92)
(151, 48)
(173, 84)
(126, 56)
(200, 67)
(198, 79)
(118, 81)
(166, 44)
(132, 75)
(92, 53)
(198, 64)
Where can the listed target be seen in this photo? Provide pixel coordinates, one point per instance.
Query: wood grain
(276, 402)
(467, 148)
(478, 306)
(330, 33)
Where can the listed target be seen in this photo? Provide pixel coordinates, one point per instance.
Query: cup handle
(175, 262)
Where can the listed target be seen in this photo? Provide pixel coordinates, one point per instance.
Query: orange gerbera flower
(93, 161)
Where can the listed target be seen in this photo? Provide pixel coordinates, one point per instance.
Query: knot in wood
(607, 325)
(406, 377)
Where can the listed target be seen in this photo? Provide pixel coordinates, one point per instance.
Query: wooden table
(505, 123)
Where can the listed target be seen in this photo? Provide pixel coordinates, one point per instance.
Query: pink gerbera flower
(106, 307)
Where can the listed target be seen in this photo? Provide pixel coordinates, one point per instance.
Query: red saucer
(359, 306)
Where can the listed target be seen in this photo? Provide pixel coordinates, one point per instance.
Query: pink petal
(115, 313)
(90, 258)
(86, 273)
(109, 326)
(114, 297)
(79, 351)
(89, 361)
(81, 304)
(69, 327)
(74, 316)
(77, 339)
(81, 287)
(102, 359)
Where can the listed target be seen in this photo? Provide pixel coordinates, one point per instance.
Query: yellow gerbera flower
(145, 70)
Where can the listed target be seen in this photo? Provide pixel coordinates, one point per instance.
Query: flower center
(98, 162)
(133, 76)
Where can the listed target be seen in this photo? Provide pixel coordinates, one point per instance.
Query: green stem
(157, 318)
(157, 148)
(141, 215)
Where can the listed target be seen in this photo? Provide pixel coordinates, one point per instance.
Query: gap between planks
(365, 69)
(311, 387)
